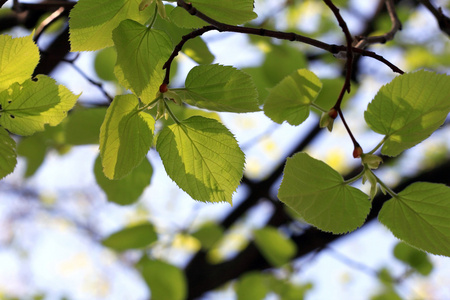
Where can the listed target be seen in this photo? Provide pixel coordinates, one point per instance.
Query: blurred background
(57, 224)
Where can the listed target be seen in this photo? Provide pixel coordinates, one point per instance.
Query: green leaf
(125, 136)
(91, 22)
(291, 99)
(104, 62)
(141, 54)
(409, 109)
(413, 257)
(251, 286)
(26, 108)
(34, 149)
(184, 19)
(18, 58)
(231, 12)
(203, 158)
(83, 125)
(8, 156)
(127, 190)
(329, 94)
(275, 247)
(194, 48)
(321, 197)
(164, 280)
(420, 216)
(209, 234)
(220, 88)
(135, 237)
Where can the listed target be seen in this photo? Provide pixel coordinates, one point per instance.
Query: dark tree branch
(441, 18)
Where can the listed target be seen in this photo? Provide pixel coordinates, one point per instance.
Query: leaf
(209, 234)
(135, 237)
(409, 109)
(203, 158)
(185, 20)
(164, 280)
(251, 286)
(34, 149)
(18, 58)
(125, 136)
(276, 248)
(104, 62)
(194, 48)
(141, 54)
(8, 156)
(220, 88)
(83, 125)
(321, 197)
(291, 99)
(91, 22)
(26, 108)
(231, 12)
(127, 190)
(413, 257)
(420, 216)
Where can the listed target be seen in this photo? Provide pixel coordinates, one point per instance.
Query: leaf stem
(351, 180)
(175, 119)
(381, 183)
(378, 146)
(154, 17)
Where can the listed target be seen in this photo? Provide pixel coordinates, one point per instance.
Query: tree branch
(443, 20)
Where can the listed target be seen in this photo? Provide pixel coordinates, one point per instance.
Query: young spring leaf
(26, 108)
(409, 109)
(291, 99)
(18, 58)
(321, 197)
(220, 88)
(164, 280)
(125, 136)
(91, 22)
(233, 12)
(8, 156)
(420, 216)
(141, 54)
(135, 237)
(202, 156)
(127, 190)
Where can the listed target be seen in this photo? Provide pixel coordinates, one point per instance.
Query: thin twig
(388, 36)
(47, 22)
(443, 20)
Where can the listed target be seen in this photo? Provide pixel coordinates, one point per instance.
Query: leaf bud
(163, 88)
(357, 152)
(371, 160)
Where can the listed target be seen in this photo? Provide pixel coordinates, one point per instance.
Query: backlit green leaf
(127, 190)
(203, 158)
(409, 109)
(125, 136)
(83, 125)
(420, 216)
(276, 248)
(164, 280)
(220, 88)
(141, 54)
(321, 197)
(18, 58)
(91, 22)
(185, 20)
(291, 99)
(34, 149)
(135, 237)
(8, 156)
(26, 108)
(104, 62)
(232, 12)
(209, 234)
(251, 286)
(413, 257)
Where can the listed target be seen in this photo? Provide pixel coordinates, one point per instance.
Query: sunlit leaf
(420, 216)
(34, 149)
(291, 99)
(26, 108)
(125, 136)
(203, 158)
(127, 190)
(413, 257)
(141, 54)
(321, 197)
(92, 22)
(409, 109)
(251, 286)
(8, 156)
(135, 237)
(83, 125)
(104, 63)
(220, 88)
(18, 58)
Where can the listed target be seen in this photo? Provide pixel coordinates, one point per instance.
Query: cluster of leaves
(198, 152)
